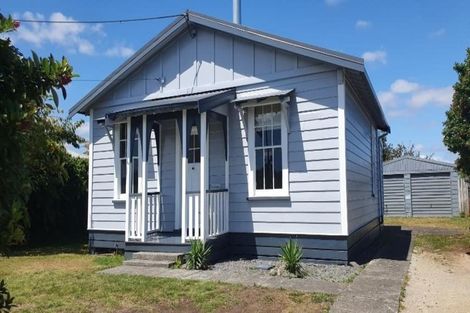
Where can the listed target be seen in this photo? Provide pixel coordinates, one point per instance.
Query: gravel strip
(327, 272)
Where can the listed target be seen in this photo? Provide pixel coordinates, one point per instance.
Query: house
(423, 187)
(240, 138)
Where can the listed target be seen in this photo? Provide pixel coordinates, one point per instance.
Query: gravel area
(327, 272)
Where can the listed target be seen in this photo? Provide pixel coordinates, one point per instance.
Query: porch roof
(201, 101)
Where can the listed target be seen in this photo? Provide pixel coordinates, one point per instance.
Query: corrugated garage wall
(420, 187)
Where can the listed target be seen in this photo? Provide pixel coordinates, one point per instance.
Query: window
(268, 150)
(194, 149)
(121, 174)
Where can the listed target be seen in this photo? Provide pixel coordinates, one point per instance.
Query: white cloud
(403, 86)
(438, 33)
(333, 2)
(119, 51)
(439, 96)
(404, 97)
(379, 56)
(363, 24)
(84, 130)
(70, 36)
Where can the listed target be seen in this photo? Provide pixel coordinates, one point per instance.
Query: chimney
(237, 12)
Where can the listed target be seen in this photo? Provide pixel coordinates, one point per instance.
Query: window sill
(264, 198)
(118, 200)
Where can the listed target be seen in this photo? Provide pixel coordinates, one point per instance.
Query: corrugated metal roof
(202, 101)
(409, 164)
(354, 65)
(263, 95)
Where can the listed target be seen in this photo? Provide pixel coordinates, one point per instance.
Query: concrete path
(246, 279)
(377, 289)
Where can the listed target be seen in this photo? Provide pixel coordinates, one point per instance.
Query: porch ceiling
(201, 101)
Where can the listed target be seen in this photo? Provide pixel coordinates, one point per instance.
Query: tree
(31, 138)
(391, 152)
(456, 129)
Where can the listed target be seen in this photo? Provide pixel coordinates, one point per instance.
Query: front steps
(154, 259)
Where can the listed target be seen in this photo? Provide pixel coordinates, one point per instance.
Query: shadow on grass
(50, 249)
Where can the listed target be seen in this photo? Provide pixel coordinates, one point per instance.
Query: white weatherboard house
(242, 139)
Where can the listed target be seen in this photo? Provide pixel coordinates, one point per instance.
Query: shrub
(291, 254)
(6, 301)
(198, 256)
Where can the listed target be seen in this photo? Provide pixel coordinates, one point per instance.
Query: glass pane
(122, 148)
(267, 115)
(197, 143)
(259, 169)
(123, 176)
(258, 137)
(122, 131)
(277, 136)
(197, 156)
(258, 116)
(268, 169)
(267, 136)
(135, 147)
(135, 175)
(277, 114)
(277, 168)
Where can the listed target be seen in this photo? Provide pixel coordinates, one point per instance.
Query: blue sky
(409, 46)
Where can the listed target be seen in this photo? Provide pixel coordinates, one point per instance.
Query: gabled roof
(408, 164)
(355, 70)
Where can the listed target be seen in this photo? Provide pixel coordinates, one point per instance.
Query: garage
(421, 187)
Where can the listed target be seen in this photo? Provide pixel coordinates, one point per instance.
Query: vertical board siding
(210, 59)
(363, 202)
(313, 206)
(168, 165)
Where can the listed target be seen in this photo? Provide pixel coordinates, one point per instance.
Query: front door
(194, 159)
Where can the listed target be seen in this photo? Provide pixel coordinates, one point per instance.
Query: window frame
(118, 195)
(274, 193)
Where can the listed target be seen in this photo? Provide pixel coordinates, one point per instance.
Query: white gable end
(209, 60)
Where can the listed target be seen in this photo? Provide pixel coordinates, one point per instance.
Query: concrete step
(149, 263)
(157, 256)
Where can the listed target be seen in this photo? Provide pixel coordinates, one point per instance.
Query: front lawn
(435, 241)
(67, 280)
(457, 223)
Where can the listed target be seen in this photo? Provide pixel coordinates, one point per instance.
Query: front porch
(173, 183)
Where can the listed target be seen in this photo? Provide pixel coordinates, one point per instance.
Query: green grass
(49, 280)
(457, 223)
(437, 242)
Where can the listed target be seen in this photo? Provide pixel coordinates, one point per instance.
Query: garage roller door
(431, 194)
(394, 195)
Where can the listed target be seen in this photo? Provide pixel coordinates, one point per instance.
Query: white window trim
(254, 193)
(118, 196)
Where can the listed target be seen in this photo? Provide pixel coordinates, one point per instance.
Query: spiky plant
(198, 256)
(291, 255)
(6, 301)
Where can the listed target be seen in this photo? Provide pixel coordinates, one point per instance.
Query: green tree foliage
(457, 125)
(31, 138)
(391, 152)
(57, 205)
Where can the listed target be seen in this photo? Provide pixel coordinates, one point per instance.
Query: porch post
(226, 204)
(184, 162)
(203, 181)
(128, 178)
(144, 226)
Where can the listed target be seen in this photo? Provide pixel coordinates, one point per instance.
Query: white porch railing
(153, 217)
(193, 216)
(217, 214)
(135, 217)
(217, 207)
